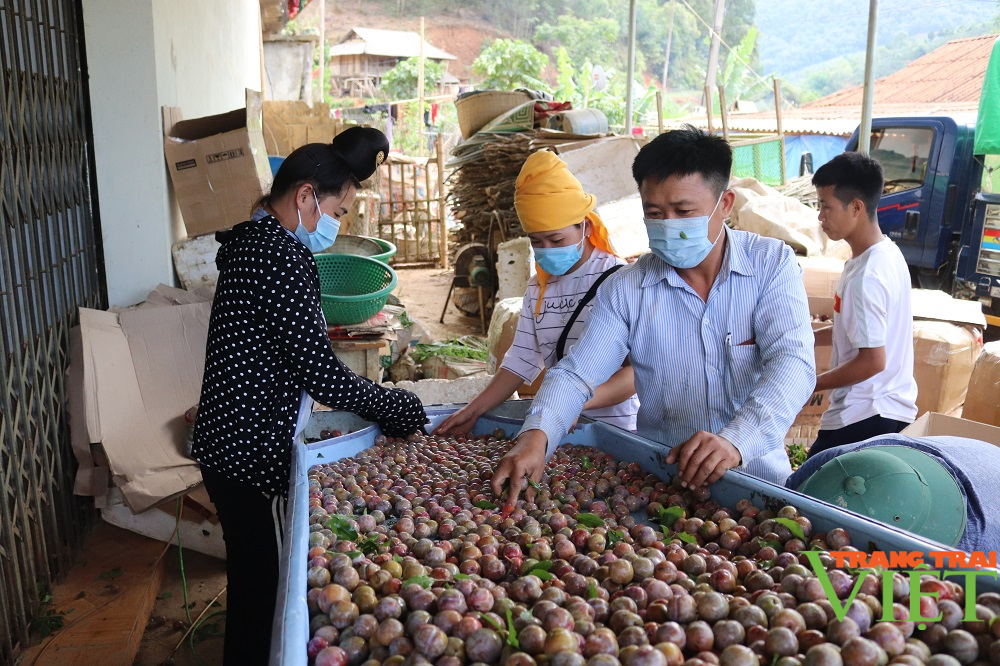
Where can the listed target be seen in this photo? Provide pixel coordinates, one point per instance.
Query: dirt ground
(206, 578)
(423, 292)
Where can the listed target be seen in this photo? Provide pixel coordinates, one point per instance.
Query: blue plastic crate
(291, 621)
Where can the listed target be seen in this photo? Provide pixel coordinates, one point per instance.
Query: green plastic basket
(353, 289)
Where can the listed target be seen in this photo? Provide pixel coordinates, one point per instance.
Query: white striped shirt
(741, 365)
(534, 345)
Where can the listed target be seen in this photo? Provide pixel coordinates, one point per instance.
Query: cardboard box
(943, 357)
(820, 275)
(983, 400)
(933, 424)
(947, 339)
(218, 165)
(133, 374)
(289, 124)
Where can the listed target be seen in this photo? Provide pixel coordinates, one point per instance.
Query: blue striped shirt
(741, 365)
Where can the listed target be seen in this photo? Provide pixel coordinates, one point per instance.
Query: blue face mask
(558, 260)
(325, 234)
(682, 242)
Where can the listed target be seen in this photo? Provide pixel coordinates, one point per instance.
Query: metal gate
(48, 268)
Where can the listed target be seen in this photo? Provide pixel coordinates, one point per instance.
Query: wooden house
(358, 62)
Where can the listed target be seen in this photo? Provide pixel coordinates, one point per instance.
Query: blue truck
(941, 202)
(934, 206)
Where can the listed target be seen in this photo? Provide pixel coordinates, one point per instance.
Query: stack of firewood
(482, 192)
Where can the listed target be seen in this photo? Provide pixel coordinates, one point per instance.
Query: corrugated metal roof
(387, 43)
(829, 120)
(946, 81)
(952, 73)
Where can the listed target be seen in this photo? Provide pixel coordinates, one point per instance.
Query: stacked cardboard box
(982, 403)
(217, 164)
(933, 424)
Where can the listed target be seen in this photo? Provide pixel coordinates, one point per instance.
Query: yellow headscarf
(548, 197)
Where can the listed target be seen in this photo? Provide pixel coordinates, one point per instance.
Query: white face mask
(682, 242)
(326, 230)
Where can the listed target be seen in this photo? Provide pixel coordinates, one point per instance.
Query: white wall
(141, 54)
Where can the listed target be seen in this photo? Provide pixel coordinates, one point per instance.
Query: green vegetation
(401, 81)
(507, 64)
(467, 346)
(815, 48)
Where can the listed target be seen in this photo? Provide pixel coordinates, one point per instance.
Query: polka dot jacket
(267, 340)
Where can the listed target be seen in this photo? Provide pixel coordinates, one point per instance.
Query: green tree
(507, 64)
(595, 40)
(739, 79)
(400, 82)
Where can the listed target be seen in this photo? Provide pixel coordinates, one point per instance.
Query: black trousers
(855, 432)
(252, 527)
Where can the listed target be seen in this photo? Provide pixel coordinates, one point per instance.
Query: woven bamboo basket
(480, 107)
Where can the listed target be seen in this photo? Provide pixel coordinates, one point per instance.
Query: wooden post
(724, 112)
(708, 109)
(781, 131)
(392, 227)
(420, 93)
(713, 50)
(659, 111)
(442, 215)
(427, 206)
(629, 91)
(670, 37)
(402, 212)
(322, 51)
(260, 49)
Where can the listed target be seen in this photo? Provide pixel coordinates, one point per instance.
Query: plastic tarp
(822, 147)
(766, 211)
(988, 121)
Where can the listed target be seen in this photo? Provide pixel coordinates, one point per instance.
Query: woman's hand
(408, 415)
(459, 423)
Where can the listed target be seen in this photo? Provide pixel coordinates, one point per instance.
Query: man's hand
(459, 423)
(703, 459)
(525, 460)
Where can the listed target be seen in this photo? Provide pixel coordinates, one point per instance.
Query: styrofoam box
(291, 620)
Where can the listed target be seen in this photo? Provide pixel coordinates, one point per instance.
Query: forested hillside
(817, 47)
(820, 45)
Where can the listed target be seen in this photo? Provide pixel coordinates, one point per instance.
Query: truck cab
(930, 180)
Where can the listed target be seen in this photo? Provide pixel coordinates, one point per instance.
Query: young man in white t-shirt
(872, 390)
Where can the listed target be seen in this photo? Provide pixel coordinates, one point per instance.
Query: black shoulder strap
(588, 297)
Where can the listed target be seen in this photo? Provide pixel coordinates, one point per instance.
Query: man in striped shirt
(714, 321)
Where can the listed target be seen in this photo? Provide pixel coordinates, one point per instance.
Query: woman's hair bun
(362, 149)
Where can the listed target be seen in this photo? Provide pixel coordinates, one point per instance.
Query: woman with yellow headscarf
(573, 255)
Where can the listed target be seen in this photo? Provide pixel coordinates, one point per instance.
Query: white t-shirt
(872, 309)
(534, 346)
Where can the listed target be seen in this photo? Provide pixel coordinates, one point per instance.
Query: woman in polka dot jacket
(268, 351)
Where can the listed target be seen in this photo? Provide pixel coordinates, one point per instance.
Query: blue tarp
(822, 147)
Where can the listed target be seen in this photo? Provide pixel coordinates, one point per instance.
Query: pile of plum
(414, 561)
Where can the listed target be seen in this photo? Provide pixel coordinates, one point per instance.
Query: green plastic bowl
(364, 246)
(353, 289)
(388, 249)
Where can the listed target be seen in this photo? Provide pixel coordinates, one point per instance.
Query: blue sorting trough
(291, 621)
